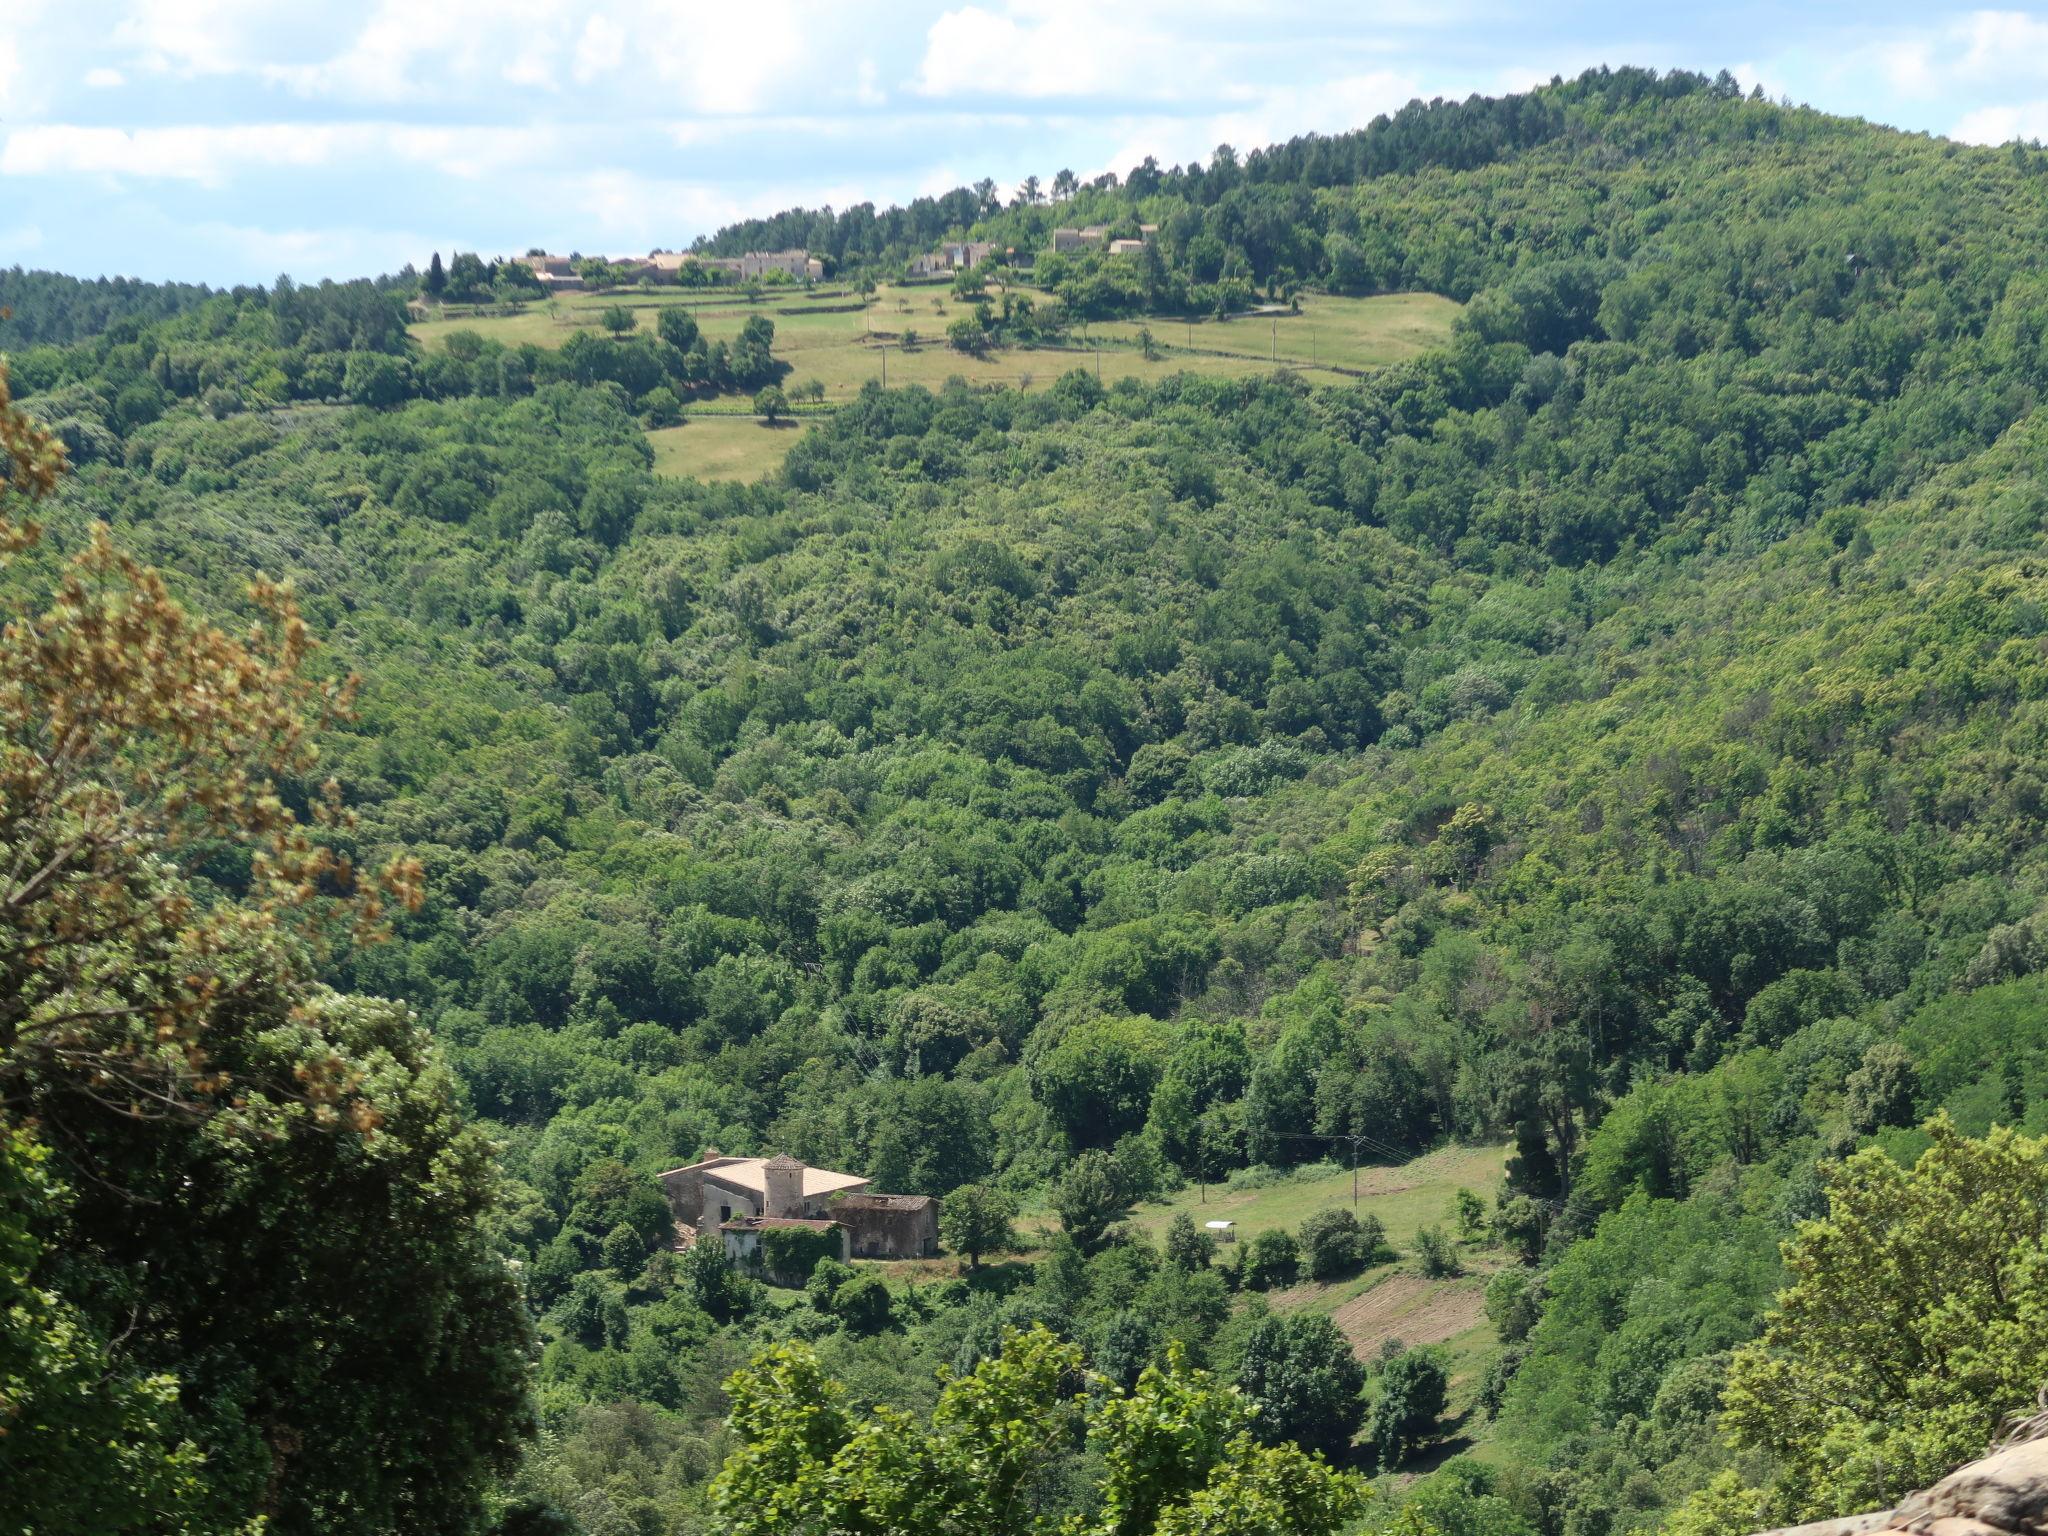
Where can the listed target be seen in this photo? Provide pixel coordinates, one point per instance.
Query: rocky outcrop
(2005, 1494)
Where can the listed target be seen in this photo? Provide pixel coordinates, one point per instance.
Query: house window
(725, 1213)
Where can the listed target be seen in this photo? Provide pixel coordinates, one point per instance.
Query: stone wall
(890, 1226)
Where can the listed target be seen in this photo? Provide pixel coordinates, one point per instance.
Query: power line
(1352, 1139)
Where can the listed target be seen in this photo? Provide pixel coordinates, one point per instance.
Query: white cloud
(454, 42)
(1749, 75)
(601, 49)
(2001, 125)
(1053, 48)
(867, 88)
(620, 211)
(210, 155)
(199, 154)
(732, 59)
(1971, 52)
(1909, 65)
(104, 79)
(1999, 41)
(1325, 106)
(701, 58)
(21, 23)
(342, 249)
(193, 37)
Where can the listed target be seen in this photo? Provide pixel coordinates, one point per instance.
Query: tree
(1413, 1389)
(1272, 1258)
(618, 319)
(134, 742)
(1880, 1092)
(1180, 1458)
(187, 1067)
(967, 335)
(377, 380)
(1089, 1198)
(1916, 1322)
(661, 407)
(1469, 1212)
(1188, 1247)
(1335, 1243)
(1436, 1254)
(1097, 1077)
(771, 404)
(807, 1465)
(1177, 1454)
(678, 327)
(437, 278)
(863, 1305)
(976, 1219)
(1525, 1222)
(1064, 185)
(1514, 1301)
(1300, 1370)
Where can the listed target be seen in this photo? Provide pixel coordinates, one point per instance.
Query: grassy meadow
(827, 334)
(723, 447)
(1405, 1197)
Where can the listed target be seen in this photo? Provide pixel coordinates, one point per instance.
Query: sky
(227, 141)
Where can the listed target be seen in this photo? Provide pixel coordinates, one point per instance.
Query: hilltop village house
(558, 274)
(953, 256)
(738, 1198)
(1064, 240)
(797, 263)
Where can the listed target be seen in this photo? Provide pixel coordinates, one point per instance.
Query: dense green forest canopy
(38, 308)
(1617, 733)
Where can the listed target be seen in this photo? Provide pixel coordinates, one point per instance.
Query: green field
(1328, 333)
(828, 335)
(1405, 1198)
(723, 447)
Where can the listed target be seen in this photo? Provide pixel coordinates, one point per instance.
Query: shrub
(1437, 1254)
(1335, 1243)
(1188, 1247)
(1272, 1258)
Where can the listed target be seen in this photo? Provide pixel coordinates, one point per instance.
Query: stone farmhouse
(954, 256)
(1098, 234)
(737, 1198)
(797, 263)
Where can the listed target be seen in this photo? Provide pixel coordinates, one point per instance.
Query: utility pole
(1353, 1141)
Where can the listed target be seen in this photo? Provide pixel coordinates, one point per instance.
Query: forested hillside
(52, 308)
(1618, 733)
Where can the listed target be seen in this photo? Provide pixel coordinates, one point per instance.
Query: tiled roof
(748, 1174)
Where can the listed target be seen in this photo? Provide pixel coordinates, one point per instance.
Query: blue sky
(230, 140)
